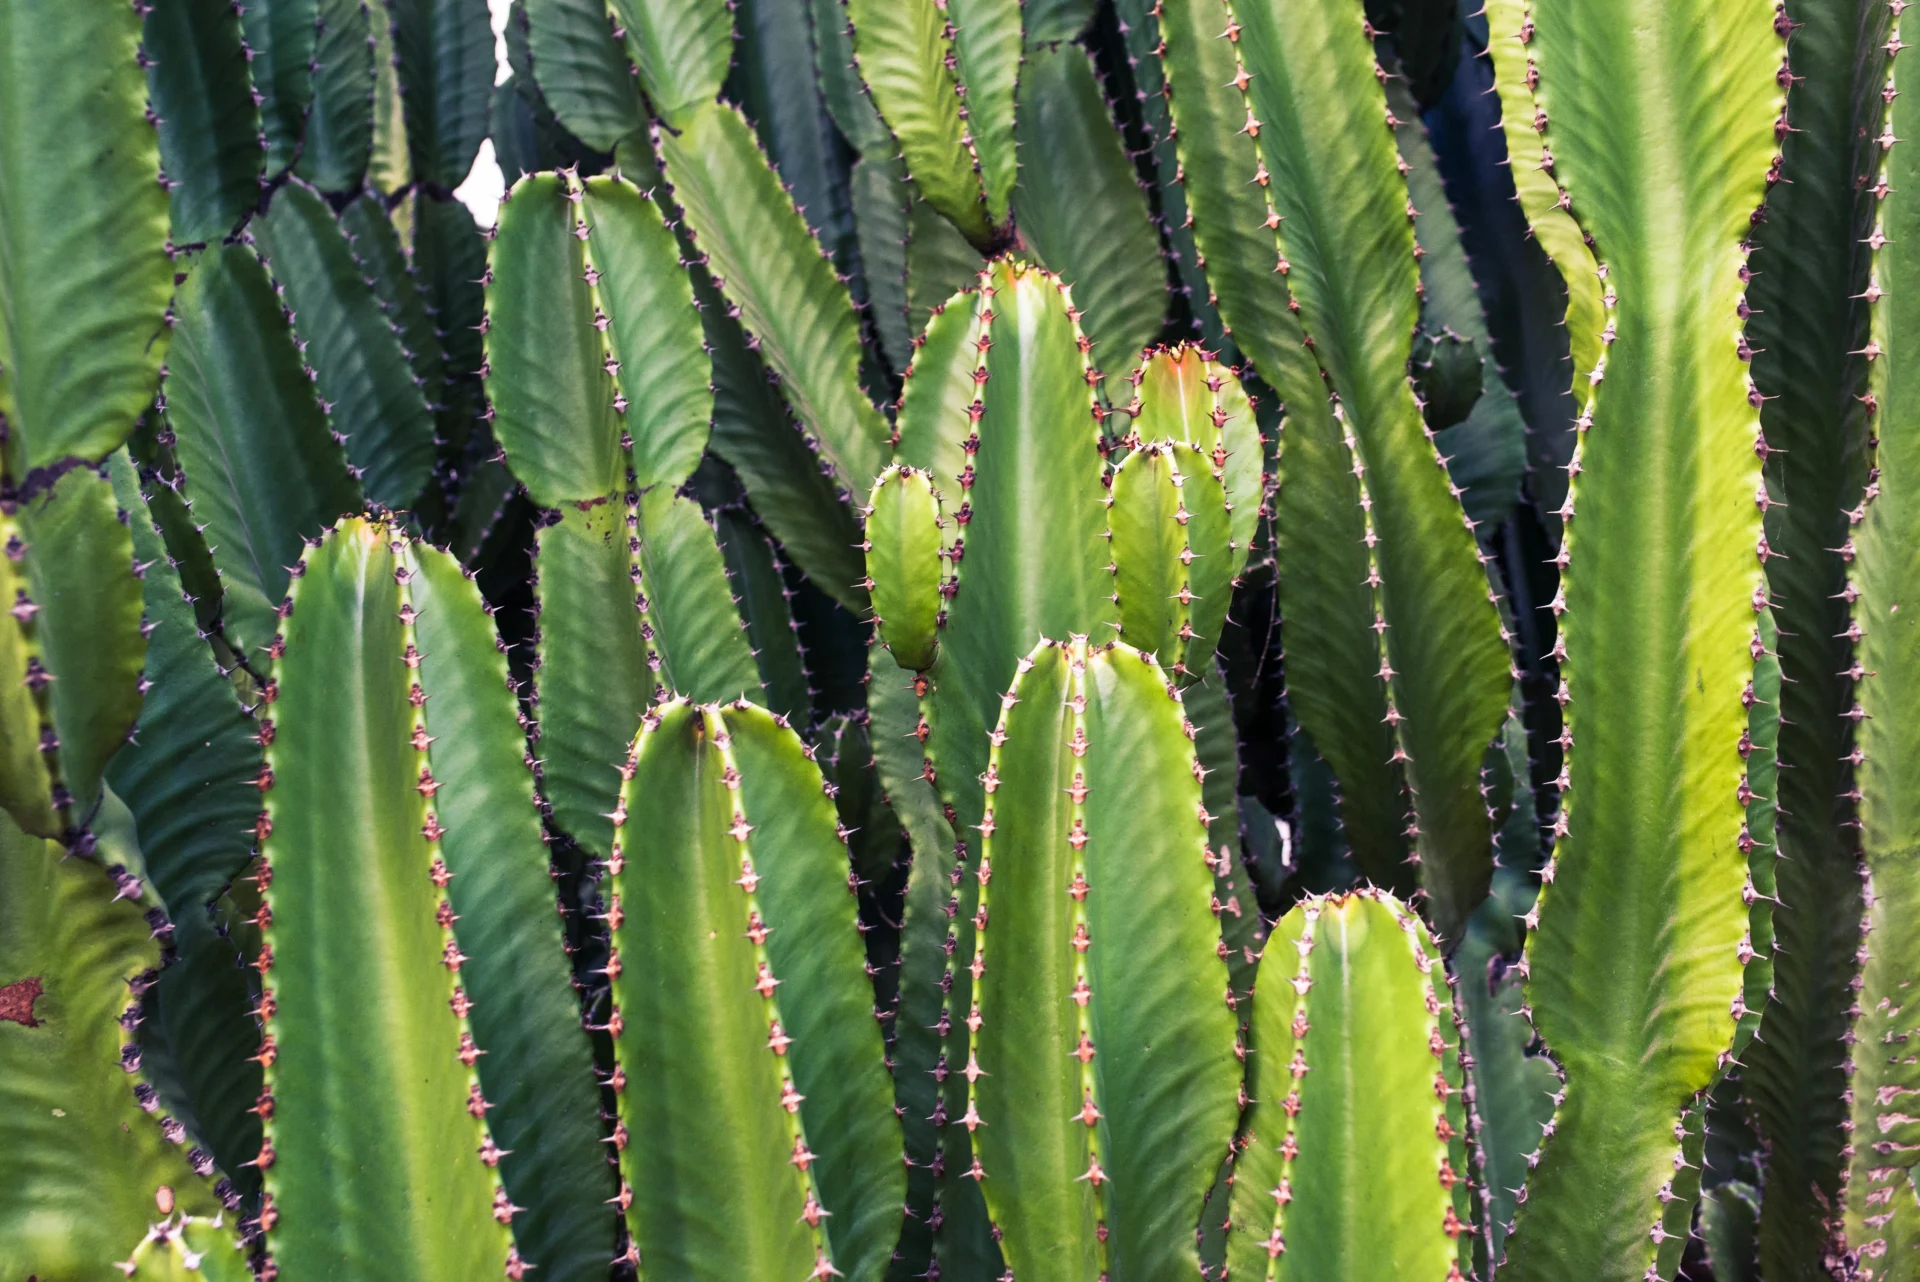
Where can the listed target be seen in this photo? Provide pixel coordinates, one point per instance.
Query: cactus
(762, 1143)
(1095, 985)
(397, 875)
(1349, 1094)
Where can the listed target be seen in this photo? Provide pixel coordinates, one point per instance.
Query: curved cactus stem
(1641, 1004)
(1217, 749)
(233, 369)
(738, 994)
(1809, 332)
(904, 549)
(843, 750)
(765, 260)
(1082, 211)
(1094, 941)
(84, 271)
(634, 606)
(760, 590)
(905, 55)
(987, 41)
(72, 648)
(357, 916)
(444, 59)
(197, 62)
(1353, 1160)
(376, 247)
(1183, 394)
(354, 350)
(338, 142)
(90, 1186)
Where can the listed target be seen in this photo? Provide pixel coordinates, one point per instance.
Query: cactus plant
(1004, 561)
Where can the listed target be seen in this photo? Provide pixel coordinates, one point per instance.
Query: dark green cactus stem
(71, 650)
(91, 1188)
(198, 85)
(1641, 1003)
(904, 550)
(443, 51)
(1352, 1161)
(756, 1132)
(1809, 334)
(1097, 979)
(1373, 539)
(282, 34)
(1880, 1226)
(394, 878)
(338, 142)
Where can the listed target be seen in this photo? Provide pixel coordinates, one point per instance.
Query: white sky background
(484, 186)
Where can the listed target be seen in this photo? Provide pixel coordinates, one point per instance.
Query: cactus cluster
(967, 639)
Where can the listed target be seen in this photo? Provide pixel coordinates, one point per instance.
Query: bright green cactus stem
(429, 1103)
(91, 1187)
(1352, 1158)
(904, 550)
(1395, 654)
(1103, 1067)
(1638, 969)
(1171, 555)
(1185, 394)
(756, 1130)
(71, 652)
(1880, 1227)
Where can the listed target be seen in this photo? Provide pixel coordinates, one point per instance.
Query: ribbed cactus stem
(904, 548)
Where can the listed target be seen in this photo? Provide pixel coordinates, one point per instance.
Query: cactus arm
(753, 430)
(282, 35)
(940, 388)
(360, 367)
(764, 258)
(83, 284)
(1050, 22)
(1348, 249)
(1809, 331)
(940, 262)
(1880, 1224)
(713, 1194)
(986, 45)
(87, 1175)
(655, 332)
(450, 264)
(1170, 546)
(841, 87)
(364, 1023)
(1217, 748)
(232, 368)
(339, 136)
(882, 200)
(838, 1057)
(546, 366)
(1181, 394)
(681, 49)
(1097, 1155)
(537, 1072)
(376, 247)
(1354, 1129)
(1640, 1008)
(209, 127)
(901, 52)
(700, 637)
(445, 59)
(1082, 210)
(582, 71)
(904, 543)
(753, 572)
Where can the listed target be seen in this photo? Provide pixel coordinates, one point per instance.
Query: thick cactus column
(1881, 1209)
(1102, 1073)
(756, 1130)
(1658, 121)
(1352, 1161)
(419, 1030)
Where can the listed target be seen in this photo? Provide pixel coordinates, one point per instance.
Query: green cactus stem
(756, 1131)
(1641, 1004)
(1880, 1209)
(1097, 981)
(1171, 554)
(904, 548)
(1352, 1161)
(196, 58)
